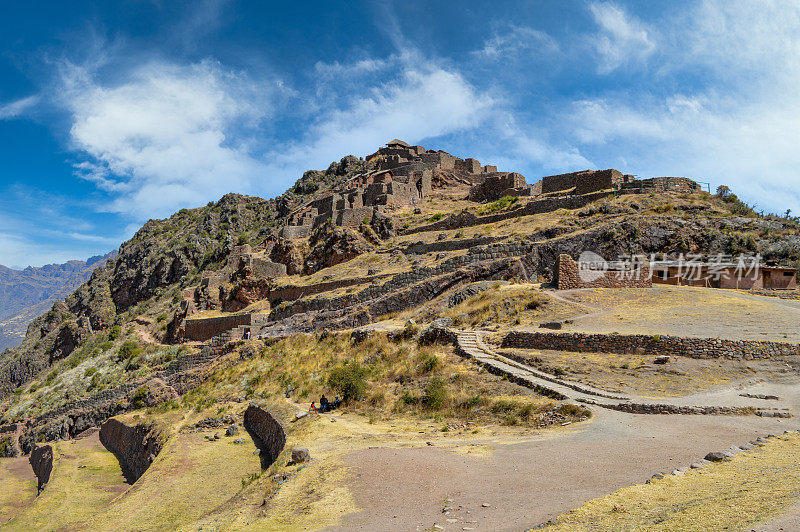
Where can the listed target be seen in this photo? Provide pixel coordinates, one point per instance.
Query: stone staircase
(470, 344)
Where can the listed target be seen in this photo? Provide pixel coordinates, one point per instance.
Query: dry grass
(687, 311)
(509, 305)
(755, 486)
(16, 490)
(401, 379)
(636, 374)
(85, 479)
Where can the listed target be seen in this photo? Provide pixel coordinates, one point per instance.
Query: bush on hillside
(350, 380)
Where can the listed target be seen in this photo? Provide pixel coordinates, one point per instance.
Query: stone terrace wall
(541, 206)
(568, 278)
(292, 292)
(134, 446)
(268, 432)
(207, 328)
(650, 345)
(41, 460)
(476, 255)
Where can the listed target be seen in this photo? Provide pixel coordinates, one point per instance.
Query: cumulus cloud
(422, 103)
(736, 127)
(166, 137)
(623, 39)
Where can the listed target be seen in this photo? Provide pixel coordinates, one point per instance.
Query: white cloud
(735, 127)
(515, 41)
(623, 39)
(424, 101)
(18, 107)
(167, 136)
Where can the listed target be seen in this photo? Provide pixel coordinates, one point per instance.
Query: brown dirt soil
(525, 481)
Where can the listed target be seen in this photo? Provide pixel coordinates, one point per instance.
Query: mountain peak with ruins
(252, 352)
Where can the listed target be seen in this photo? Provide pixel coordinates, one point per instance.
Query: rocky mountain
(365, 238)
(26, 294)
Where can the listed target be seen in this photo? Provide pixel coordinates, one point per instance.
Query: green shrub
(139, 397)
(350, 380)
(435, 394)
(105, 346)
(428, 363)
(114, 332)
(128, 350)
(503, 204)
(436, 217)
(89, 372)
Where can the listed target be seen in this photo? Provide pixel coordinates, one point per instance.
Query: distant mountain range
(26, 294)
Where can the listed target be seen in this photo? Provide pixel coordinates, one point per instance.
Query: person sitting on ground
(324, 405)
(336, 402)
(313, 407)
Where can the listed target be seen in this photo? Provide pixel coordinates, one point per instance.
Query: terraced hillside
(428, 313)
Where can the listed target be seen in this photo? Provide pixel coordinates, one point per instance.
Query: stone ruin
(398, 175)
(589, 181)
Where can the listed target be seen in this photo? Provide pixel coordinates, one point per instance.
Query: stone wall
(496, 185)
(600, 180)
(292, 232)
(268, 433)
(204, 329)
(662, 184)
(568, 277)
(41, 460)
(467, 219)
(402, 280)
(136, 447)
(650, 345)
(561, 182)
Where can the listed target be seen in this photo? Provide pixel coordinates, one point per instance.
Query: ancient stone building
(499, 184)
(398, 175)
(584, 181)
(570, 274)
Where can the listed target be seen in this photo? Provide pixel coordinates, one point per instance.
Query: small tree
(723, 191)
(350, 380)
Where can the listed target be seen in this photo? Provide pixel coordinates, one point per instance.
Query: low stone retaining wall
(533, 207)
(268, 433)
(136, 447)
(651, 345)
(476, 255)
(41, 460)
(421, 248)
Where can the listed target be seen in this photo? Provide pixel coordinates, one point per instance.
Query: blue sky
(112, 113)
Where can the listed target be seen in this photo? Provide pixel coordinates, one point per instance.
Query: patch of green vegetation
(350, 380)
(503, 204)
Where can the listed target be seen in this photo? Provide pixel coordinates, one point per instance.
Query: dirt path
(524, 483)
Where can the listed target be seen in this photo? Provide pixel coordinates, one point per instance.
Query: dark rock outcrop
(136, 447)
